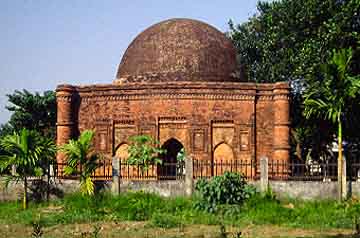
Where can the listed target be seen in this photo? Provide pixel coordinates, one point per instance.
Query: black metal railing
(207, 169)
(163, 171)
(102, 172)
(277, 170)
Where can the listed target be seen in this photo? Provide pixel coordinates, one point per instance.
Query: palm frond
(87, 186)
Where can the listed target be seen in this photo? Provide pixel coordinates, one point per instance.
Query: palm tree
(82, 160)
(25, 150)
(330, 97)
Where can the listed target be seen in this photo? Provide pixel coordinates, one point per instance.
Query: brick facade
(222, 120)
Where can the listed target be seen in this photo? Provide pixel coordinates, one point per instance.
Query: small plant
(164, 221)
(144, 151)
(80, 154)
(230, 189)
(96, 231)
(269, 194)
(223, 233)
(37, 229)
(352, 208)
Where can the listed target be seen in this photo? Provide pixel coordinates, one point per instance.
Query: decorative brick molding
(196, 96)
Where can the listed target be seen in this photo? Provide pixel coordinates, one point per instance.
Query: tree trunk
(25, 194)
(340, 162)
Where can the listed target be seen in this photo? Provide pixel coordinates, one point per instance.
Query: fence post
(189, 174)
(343, 180)
(13, 170)
(264, 174)
(115, 188)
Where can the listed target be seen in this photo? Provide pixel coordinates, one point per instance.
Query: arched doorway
(223, 159)
(170, 168)
(122, 152)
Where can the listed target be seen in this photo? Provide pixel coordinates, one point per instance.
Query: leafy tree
(6, 129)
(33, 112)
(332, 95)
(288, 40)
(26, 150)
(82, 160)
(144, 151)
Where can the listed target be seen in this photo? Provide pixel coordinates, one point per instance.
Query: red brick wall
(199, 115)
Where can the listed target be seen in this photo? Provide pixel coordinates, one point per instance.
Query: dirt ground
(142, 230)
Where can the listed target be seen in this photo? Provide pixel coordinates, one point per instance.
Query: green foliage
(33, 112)
(82, 160)
(181, 156)
(330, 96)
(6, 129)
(164, 220)
(29, 153)
(144, 151)
(352, 208)
(170, 212)
(288, 40)
(230, 189)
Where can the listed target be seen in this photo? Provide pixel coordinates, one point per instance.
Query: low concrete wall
(166, 188)
(308, 189)
(172, 188)
(37, 189)
(60, 187)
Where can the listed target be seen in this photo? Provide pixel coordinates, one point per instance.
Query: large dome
(179, 50)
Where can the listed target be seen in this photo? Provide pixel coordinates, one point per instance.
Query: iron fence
(301, 171)
(277, 170)
(102, 172)
(353, 170)
(163, 171)
(207, 169)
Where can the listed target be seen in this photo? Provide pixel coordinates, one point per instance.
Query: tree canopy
(32, 111)
(290, 40)
(29, 152)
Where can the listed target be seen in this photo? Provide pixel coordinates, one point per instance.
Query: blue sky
(44, 43)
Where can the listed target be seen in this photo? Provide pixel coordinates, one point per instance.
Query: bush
(164, 220)
(230, 188)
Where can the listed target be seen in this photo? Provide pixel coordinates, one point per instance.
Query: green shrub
(230, 188)
(352, 208)
(164, 220)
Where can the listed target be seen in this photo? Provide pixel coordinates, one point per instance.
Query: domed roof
(178, 50)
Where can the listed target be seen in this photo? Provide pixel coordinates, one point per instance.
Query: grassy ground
(145, 215)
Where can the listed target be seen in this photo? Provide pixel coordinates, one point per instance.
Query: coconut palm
(82, 160)
(27, 151)
(329, 98)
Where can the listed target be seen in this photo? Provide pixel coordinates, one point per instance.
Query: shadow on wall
(40, 190)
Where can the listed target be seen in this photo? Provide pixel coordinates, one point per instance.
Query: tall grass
(170, 212)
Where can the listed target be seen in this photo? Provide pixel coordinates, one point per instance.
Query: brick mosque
(179, 82)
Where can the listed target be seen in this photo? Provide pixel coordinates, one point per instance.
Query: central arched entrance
(223, 159)
(171, 159)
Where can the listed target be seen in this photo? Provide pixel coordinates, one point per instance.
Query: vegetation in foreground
(179, 212)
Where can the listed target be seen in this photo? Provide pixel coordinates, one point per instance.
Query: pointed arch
(168, 170)
(223, 152)
(172, 147)
(121, 151)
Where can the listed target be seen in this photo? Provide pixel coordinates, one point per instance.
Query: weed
(164, 221)
(37, 230)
